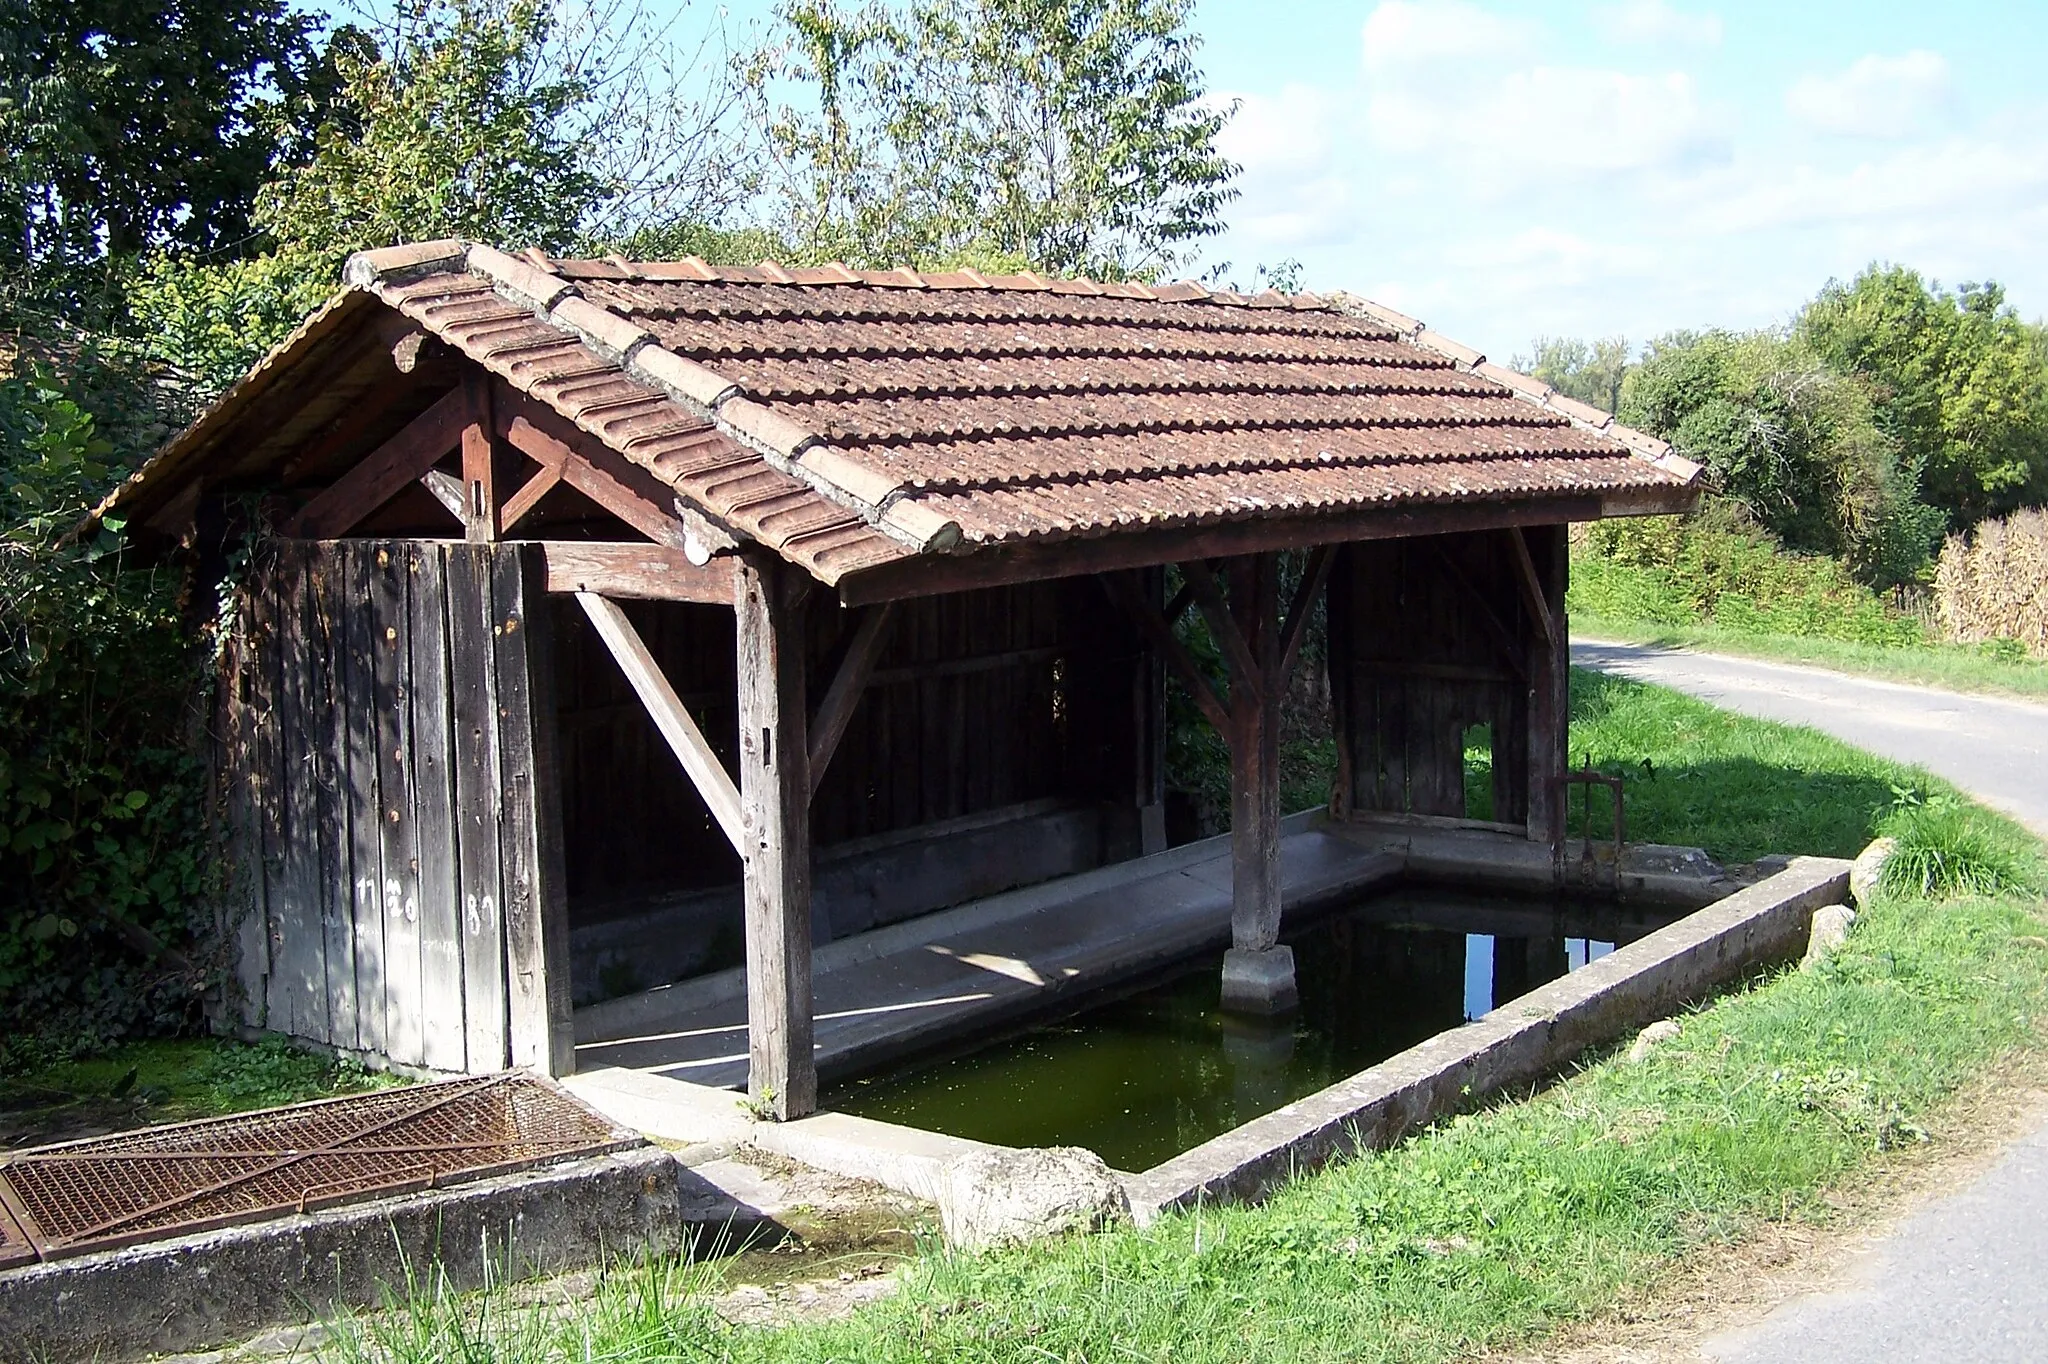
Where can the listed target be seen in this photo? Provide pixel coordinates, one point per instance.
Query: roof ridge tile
(542, 289)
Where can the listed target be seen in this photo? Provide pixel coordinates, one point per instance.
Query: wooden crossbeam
(394, 464)
(649, 572)
(1159, 630)
(666, 709)
(849, 683)
(1314, 575)
(529, 495)
(1533, 599)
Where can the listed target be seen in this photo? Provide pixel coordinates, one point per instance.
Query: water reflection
(1140, 1078)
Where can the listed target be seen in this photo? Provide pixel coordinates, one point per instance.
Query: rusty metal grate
(166, 1181)
(14, 1244)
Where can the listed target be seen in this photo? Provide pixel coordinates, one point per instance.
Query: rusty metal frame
(1590, 777)
(519, 1119)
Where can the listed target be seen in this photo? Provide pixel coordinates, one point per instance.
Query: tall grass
(1946, 848)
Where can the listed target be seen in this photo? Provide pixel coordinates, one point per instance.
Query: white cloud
(1886, 97)
(1653, 23)
(1548, 122)
(1402, 35)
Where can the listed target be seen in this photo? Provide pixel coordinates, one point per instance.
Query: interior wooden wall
(398, 854)
(980, 700)
(1429, 637)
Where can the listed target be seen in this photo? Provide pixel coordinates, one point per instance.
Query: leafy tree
(1961, 383)
(460, 129)
(1069, 135)
(519, 122)
(1590, 371)
(131, 124)
(1796, 444)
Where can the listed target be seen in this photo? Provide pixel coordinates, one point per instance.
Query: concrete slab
(210, 1288)
(910, 987)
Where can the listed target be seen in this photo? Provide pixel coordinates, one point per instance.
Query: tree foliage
(1068, 135)
(1795, 443)
(1590, 371)
(128, 125)
(1958, 379)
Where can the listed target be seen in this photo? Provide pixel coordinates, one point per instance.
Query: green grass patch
(1493, 1228)
(1947, 848)
(164, 1080)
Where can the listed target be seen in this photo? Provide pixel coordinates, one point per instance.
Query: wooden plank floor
(967, 971)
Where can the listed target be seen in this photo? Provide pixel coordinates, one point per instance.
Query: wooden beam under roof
(931, 574)
(399, 461)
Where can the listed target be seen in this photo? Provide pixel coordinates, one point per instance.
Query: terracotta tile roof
(849, 418)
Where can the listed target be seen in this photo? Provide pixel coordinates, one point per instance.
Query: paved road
(1993, 748)
(1965, 1279)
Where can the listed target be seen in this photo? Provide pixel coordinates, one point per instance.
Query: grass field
(1772, 1105)
(1954, 666)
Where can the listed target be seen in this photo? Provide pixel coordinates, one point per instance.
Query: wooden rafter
(604, 476)
(1533, 599)
(394, 464)
(666, 709)
(849, 683)
(529, 495)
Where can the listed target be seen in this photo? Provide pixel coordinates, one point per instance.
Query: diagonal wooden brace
(706, 772)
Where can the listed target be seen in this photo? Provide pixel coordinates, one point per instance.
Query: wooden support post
(1549, 685)
(1253, 978)
(479, 465)
(775, 815)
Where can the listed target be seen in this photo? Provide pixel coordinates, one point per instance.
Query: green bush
(102, 829)
(1712, 569)
(1947, 848)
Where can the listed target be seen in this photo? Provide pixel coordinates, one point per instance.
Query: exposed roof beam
(422, 444)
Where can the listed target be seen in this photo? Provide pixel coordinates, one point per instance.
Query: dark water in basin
(1144, 1077)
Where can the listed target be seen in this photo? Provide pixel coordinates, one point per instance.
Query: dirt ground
(1723, 1288)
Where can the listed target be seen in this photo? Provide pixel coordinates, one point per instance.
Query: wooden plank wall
(979, 700)
(401, 856)
(1415, 664)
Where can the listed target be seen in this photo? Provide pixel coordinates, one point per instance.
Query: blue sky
(1605, 167)
(1504, 171)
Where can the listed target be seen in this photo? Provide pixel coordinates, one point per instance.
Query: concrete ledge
(908, 1160)
(211, 1288)
(1474, 856)
(1522, 1042)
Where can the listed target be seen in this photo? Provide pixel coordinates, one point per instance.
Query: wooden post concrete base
(1258, 977)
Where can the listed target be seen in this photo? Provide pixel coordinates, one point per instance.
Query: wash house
(606, 623)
